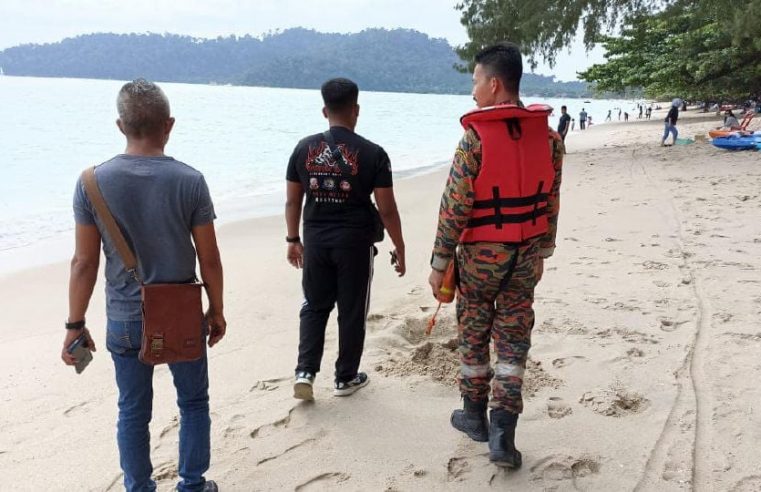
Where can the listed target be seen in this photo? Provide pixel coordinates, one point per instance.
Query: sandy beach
(643, 373)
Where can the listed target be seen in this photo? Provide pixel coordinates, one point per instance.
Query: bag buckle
(157, 343)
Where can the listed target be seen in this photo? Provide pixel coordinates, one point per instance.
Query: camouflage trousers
(496, 293)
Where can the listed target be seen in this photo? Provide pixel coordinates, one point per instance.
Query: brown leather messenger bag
(172, 313)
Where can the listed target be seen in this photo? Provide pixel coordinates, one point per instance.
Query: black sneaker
(349, 387)
(302, 388)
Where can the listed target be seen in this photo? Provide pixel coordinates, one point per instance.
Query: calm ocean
(239, 137)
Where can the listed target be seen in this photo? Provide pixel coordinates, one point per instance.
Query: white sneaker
(345, 389)
(302, 388)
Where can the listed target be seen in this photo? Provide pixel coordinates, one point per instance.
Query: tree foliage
(398, 60)
(688, 50)
(691, 48)
(542, 27)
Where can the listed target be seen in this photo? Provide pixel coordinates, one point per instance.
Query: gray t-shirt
(156, 201)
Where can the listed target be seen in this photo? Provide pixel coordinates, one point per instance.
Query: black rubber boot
(502, 450)
(472, 420)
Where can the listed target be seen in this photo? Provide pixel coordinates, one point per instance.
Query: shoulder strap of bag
(101, 208)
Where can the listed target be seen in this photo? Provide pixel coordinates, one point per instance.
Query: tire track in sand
(691, 374)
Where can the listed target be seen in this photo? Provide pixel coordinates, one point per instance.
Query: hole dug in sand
(615, 401)
(439, 359)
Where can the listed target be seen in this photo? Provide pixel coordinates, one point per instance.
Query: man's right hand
(296, 254)
(72, 335)
(398, 261)
(217, 327)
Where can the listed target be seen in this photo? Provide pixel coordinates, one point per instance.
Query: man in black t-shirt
(565, 120)
(338, 170)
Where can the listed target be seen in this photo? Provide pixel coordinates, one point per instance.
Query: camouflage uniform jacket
(459, 194)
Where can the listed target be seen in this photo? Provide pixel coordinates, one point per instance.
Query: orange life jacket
(516, 173)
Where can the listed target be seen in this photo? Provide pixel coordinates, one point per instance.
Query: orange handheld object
(446, 293)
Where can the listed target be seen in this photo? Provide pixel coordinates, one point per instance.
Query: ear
(169, 125)
(325, 112)
(495, 85)
(356, 111)
(121, 126)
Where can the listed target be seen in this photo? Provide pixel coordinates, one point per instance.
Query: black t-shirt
(564, 120)
(673, 115)
(337, 212)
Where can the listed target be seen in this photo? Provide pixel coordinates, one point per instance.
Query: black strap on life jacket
(498, 203)
(507, 218)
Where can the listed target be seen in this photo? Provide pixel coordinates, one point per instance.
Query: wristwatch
(77, 325)
(293, 239)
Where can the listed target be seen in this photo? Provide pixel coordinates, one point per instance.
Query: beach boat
(738, 142)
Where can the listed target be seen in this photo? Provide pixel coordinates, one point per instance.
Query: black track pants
(330, 276)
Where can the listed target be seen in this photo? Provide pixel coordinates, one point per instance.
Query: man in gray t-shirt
(164, 210)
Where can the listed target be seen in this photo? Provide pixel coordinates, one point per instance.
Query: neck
(507, 98)
(144, 147)
(341, 122)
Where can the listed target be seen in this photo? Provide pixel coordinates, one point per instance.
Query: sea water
(239, 137)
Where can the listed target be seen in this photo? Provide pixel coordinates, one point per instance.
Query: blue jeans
(670, 129)
(135, 382)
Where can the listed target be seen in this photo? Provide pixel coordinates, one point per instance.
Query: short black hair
(339, 94)
(504, 61)
(564, 107)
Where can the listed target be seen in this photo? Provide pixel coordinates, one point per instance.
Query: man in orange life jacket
(500, 205)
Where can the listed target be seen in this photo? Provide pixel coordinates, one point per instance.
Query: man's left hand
(435, 279)
(295, 254)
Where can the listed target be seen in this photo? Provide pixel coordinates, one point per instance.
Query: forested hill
(397, 60)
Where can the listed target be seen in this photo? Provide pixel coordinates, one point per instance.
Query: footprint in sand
(567, 361)
(615, 401)
(268, 384)
(557, 408)
(173, 424)
(457, 468)
(165, 471)
(552, 471)
(283, 422)
(751, 483)
(323, 481)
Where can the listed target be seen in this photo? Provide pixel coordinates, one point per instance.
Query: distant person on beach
(501, 238)
(573, 123)
(649, 112)
(610, 115)
(583, 119)
(589, 121)
(564, 123)
(641, 108)
(730, 121)
(626, 116)
(619, 114)
(164, 210)
(670, 122)
(338, 170)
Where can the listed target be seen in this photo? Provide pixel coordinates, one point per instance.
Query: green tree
(542, 27)
(691, 51)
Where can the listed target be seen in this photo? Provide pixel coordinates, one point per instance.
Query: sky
(45, 21)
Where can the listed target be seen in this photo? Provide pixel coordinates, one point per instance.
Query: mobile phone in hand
(394, 258)
(79, 349)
